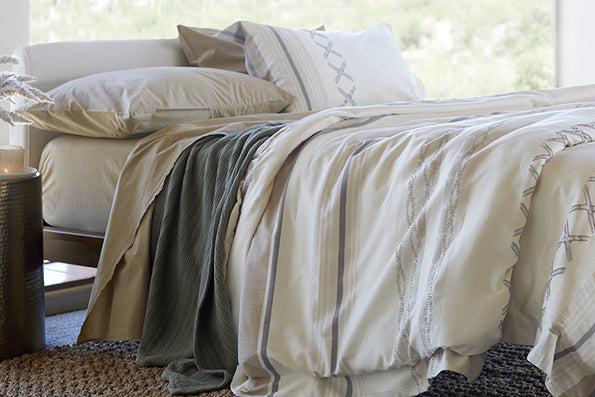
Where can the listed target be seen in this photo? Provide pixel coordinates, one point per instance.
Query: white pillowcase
(133, 102)
(327, 69)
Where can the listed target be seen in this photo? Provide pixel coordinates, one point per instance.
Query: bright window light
(458, 48)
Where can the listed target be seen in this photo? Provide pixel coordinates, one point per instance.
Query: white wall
(14, 32)
(575, 42)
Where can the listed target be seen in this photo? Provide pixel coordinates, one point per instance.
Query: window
(458, 48)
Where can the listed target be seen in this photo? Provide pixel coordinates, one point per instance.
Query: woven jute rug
(108, 369)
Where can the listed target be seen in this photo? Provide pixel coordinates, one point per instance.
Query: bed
(349, 239)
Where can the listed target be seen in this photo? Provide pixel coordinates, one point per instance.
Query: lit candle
(12, 159)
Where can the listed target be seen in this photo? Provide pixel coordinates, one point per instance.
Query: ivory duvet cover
(373, 247)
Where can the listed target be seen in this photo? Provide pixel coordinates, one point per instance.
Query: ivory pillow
(134, 102)
(327, 69)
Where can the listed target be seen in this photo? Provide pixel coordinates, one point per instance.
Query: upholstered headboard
(55, 63)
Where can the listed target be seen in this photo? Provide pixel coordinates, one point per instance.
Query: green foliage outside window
(458, 48)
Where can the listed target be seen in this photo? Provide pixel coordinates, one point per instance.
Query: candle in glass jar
(12, 159)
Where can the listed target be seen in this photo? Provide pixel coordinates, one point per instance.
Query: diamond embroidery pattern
(568, 238)
(566, 138)
(574, 135)
(345, 82)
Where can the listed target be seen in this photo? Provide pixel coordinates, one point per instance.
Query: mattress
(79, 177)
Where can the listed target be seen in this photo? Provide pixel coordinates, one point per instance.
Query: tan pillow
(134, 102)
(201, 49)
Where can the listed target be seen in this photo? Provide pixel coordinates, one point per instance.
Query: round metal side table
(22, 305)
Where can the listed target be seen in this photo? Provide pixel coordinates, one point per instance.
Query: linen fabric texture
(200, 355)
(135, 102)
(521, 131)
(204, 50)
(80, 175)
(327, 69)
(202, 47)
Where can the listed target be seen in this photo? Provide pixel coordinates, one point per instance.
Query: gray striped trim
(240, 39)
(236, 37)
(270, 295)
(576, 346)
(271, 283)
(249, 65)
(349, 392)
(341, 259)
(275, 262)
(293, 67)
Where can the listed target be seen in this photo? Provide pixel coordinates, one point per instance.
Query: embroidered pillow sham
(327, 69)
(203, 47)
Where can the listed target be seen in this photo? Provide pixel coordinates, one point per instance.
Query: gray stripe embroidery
(273, 277)
(274, 263)
(447, 226)
(249, 65)
(576, 346)
(240, 39)
(293, 67)
(349, 392)
(409, 252)
(341, 258)
(234, 36)
(270, 295)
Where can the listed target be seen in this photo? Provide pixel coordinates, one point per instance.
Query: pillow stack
(134, 102)
(243, 69)
(321, 69)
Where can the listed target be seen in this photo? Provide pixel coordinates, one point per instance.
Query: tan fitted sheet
(79, 177)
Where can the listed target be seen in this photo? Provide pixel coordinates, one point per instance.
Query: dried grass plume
(17, 85)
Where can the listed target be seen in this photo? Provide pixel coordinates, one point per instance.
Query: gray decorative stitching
(588, 207)
(561, 137)
(561, 261)
(568, 239)
(447, 228)
(341, 72)
(565, 138)
(412, 246)
(344, 81)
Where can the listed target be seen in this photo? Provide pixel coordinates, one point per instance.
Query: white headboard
(55, 63)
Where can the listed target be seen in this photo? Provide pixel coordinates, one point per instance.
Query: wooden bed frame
(71, 246)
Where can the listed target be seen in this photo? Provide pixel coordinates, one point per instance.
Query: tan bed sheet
(79, 180)
(117, 305)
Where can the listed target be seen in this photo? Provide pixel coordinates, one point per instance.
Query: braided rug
(108, 369)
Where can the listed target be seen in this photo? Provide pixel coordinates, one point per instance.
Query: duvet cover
(370, 248)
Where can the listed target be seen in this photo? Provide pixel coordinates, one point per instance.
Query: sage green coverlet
(188, 325)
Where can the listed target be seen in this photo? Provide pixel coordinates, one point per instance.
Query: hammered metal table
(22, 306)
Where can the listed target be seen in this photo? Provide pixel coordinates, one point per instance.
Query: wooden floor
(60, 275)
